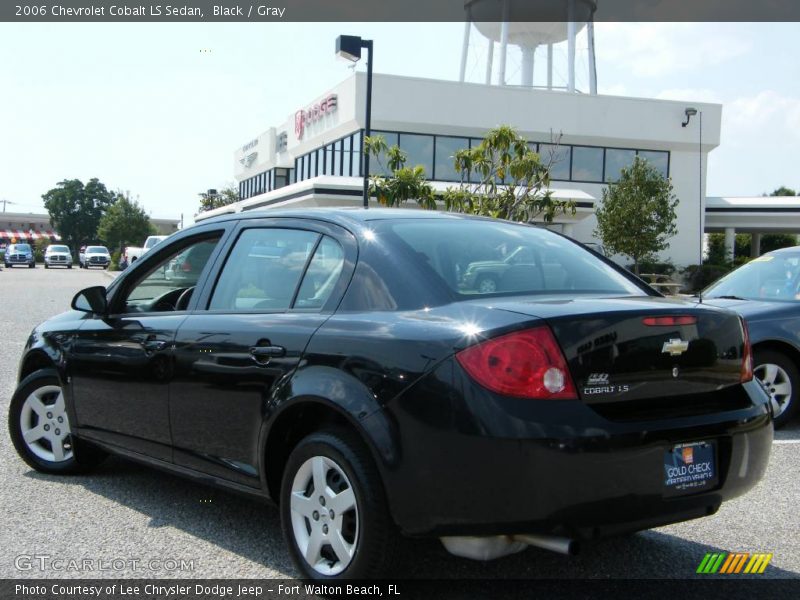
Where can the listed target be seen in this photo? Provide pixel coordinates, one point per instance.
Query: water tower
(529, 24)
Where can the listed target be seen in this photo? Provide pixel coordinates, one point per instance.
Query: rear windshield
(96, 250)
(491, 258)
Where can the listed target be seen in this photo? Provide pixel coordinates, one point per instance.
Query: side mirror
(91, 300)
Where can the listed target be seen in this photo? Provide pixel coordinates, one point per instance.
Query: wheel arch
(302, 415)
(35, 360)
(781, 346)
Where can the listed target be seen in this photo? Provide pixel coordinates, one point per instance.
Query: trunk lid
(614, 357)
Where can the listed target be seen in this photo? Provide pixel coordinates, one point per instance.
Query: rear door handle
(262, 354)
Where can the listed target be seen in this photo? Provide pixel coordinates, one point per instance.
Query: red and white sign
(313, 113)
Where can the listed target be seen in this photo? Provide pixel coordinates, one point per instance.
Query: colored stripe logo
(733, 563)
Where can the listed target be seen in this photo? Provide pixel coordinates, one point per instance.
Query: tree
(125, 222)
(75, 209)
(784, 191)
(215, 199)
(406, 183)
(501, 177)
(638, 213)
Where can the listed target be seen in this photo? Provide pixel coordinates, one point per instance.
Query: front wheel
(333, 509)
(487, 285)
(40, 430)
(780, 376)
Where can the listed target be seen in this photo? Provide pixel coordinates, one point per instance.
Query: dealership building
(313, 157)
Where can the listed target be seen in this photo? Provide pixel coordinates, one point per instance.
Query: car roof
(788, 250)
(345, 216)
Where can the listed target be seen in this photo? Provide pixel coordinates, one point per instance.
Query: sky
(158, 109)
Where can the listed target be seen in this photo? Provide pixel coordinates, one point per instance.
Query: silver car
(57, 255)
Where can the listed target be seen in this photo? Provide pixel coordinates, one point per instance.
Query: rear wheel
(333, 509)
(780, 376)
(40, 430)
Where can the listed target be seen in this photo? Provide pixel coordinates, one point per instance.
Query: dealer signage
(313, 113)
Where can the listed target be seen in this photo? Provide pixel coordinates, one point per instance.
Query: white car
(134, 253)
(57, 256)
(95, 256)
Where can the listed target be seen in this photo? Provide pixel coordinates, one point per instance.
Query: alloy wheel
(324, 515)
(778, 385)
(45, 426)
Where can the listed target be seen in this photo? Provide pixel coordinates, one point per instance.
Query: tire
(486, 285)
(366, 527)
(45, 266)
(32, 266)
(39, 400)
(782, 379)
(69, 266)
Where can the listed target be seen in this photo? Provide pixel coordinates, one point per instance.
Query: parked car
(57, 255)
(487, 276)
(766, 292)
(134, 253)
(330, 360)
(19, 254)
(95, 256)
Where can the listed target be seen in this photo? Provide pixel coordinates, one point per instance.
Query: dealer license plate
(690, 467)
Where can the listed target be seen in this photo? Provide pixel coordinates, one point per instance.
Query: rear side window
(263, 270)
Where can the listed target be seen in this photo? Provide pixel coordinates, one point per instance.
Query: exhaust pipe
(491, 547)
(555, 543)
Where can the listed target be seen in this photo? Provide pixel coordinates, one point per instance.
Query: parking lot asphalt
(136, 519)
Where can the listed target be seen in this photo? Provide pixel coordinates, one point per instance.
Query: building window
(660, 160)
(587, 164)
(558, 157)
(616, 160)
(281, 178)
(419, 151)
(446, 148)
(356, 154)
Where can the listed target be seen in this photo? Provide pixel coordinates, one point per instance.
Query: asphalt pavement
(126, 520)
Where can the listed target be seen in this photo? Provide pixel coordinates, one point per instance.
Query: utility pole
(4, 201)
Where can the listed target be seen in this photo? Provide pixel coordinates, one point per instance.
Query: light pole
(349, 47)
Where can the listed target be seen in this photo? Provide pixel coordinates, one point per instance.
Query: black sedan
(333, 362)
(766, 291)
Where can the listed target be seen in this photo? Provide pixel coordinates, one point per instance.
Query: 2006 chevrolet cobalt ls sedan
(337, 363)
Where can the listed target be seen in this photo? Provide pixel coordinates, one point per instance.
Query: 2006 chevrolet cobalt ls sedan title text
(338, 363)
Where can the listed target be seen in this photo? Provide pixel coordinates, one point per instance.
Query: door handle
(262, 354)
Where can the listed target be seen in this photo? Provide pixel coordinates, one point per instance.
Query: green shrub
(698, 277)
(652, 266)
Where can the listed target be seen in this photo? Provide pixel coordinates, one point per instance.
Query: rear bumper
(505, 466)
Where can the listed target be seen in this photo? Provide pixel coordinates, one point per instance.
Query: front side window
(163, 285)
(263, 270)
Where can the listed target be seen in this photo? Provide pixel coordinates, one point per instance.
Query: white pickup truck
(132, 253)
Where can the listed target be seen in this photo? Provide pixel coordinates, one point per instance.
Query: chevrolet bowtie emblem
(675, 347)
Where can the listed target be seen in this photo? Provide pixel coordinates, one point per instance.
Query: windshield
(57, 249)
(769, 277)
(479, 258)
(20, 248)
(97, 250)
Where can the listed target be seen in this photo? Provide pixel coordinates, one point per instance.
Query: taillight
(525, 364)
(669, 321)
(747, 355)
